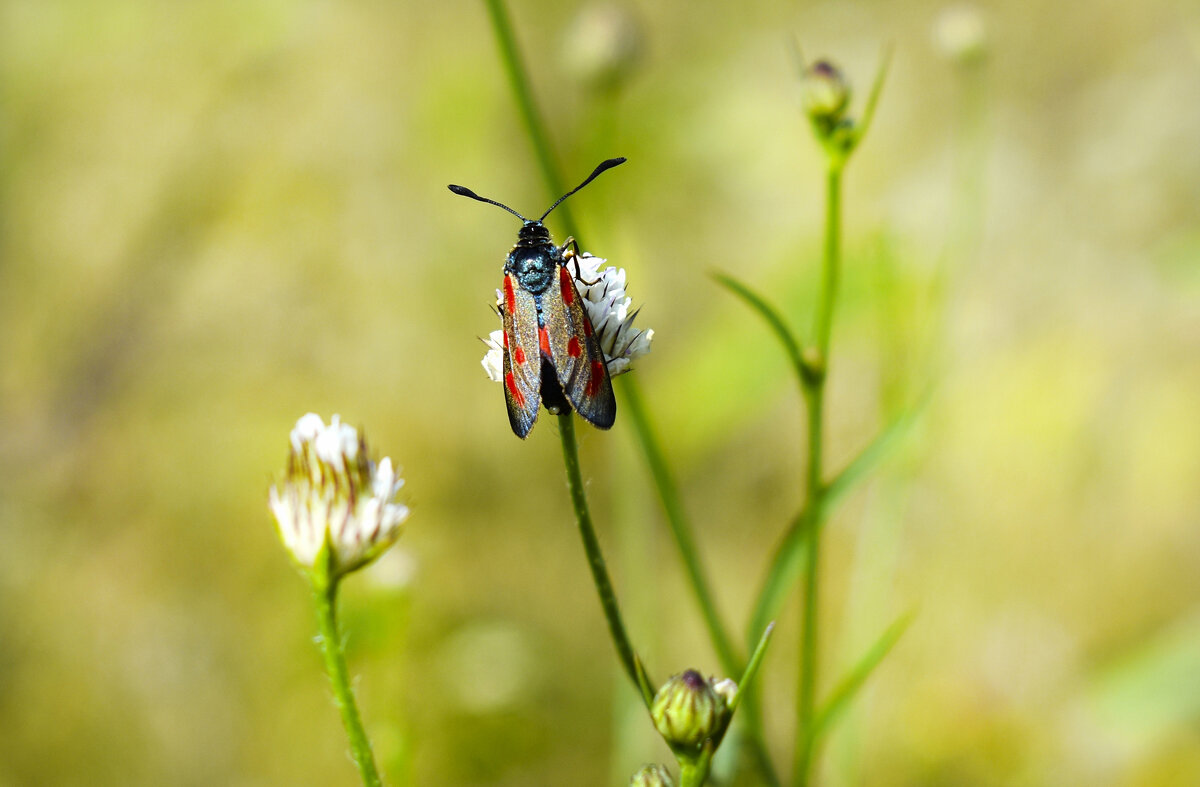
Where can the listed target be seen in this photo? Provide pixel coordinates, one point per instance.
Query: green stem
(693, 773)
(325, 599)
(591, 546)
(518, 79)
(806, 697)
(681, 530)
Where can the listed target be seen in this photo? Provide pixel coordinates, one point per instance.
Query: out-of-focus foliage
(217, 216)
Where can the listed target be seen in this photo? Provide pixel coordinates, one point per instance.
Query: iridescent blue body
(533, 259)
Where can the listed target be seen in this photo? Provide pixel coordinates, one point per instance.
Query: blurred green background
(218, 216)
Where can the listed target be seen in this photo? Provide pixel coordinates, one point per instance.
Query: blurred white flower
(333, 493)
(603, 45)
(607, 307)
(960, 33)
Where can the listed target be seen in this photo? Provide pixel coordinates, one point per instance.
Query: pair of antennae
(604, 165)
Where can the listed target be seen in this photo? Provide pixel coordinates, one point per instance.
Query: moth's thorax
(532, 260)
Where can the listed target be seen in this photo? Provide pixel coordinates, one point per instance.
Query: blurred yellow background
(218, 216)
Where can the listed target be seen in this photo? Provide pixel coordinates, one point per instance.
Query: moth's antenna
(463, 191)
(609, 164)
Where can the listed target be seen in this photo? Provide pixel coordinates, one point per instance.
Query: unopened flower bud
(687, 711)
(824, 92)
(333, 494)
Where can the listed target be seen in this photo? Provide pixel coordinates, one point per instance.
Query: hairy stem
(325, 600)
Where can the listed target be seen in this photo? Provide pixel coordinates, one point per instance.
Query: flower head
(689, 710)
(332, 496)
(608, 307)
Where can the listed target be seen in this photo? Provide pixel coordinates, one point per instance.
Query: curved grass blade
(772, 316)
(849, 686)
(787, 565)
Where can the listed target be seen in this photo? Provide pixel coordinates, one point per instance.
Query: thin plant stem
(806, 699)
(681, 530)
(325, 600)
(595, 558)
(518, 79)
(695, 772)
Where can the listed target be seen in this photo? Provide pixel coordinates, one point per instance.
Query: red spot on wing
(510, 298)
(567, 287)
(519, 355)
(573, 348)
(544, 341)
(517, 396)
(593, 383)
(506, 340)
(587, 326)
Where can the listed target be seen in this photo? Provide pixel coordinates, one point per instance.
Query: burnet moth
(551, 354)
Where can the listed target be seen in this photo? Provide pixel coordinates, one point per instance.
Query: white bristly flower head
(332, 496)
(607, 307)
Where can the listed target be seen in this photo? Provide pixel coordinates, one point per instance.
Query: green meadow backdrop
(215, 217)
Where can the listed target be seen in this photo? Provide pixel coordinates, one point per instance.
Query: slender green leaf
(787, 564)
(677, 520)
(643, 681)
(752, 668)
(873, 99)
(771, 315)
(849, 686)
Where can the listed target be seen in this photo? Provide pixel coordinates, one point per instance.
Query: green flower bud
(652, 776)
(824, 92)
(688, 712)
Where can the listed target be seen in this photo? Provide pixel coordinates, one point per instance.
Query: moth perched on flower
(608, 307)
(551, 350)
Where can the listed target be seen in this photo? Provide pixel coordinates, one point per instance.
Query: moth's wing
(578, 361)
(522, 357)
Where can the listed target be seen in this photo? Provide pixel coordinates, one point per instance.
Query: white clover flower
(607, 307)
(332, 493)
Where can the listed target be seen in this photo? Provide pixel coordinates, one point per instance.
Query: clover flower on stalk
(609, 309)
(333, 503)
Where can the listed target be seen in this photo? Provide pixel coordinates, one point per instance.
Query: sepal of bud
(689, 712)
(652, 776)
